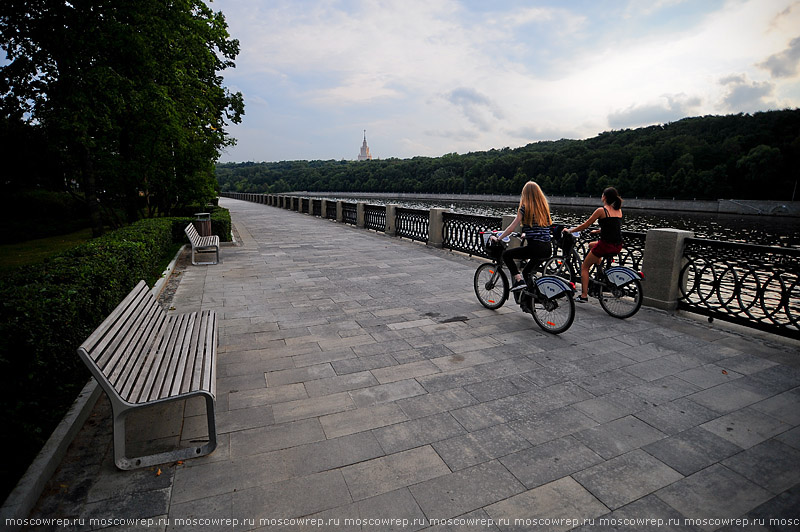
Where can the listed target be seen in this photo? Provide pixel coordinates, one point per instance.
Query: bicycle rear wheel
(621, 301)
(554, 315)
(559, 267)
(491, 286)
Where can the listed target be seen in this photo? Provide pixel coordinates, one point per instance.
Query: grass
(36, 251)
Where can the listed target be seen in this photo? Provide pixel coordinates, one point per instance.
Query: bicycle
(547, 298)
(618, 288)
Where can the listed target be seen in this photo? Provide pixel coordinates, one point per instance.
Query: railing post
(436, 227)
(360, 215)
(661, 263)
(508, 219)
(391, 220)
(340, 211)
(324, 208)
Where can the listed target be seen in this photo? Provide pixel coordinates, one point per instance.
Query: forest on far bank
(735, 156)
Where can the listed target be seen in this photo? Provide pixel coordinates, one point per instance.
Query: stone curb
(26, 493)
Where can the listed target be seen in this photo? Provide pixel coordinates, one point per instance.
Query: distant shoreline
(783, 209)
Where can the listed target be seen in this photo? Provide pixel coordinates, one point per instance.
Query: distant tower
(364, 155)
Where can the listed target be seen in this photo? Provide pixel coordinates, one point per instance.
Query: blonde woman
(534, 215)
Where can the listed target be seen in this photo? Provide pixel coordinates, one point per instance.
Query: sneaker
(518, 285)
(581, 299)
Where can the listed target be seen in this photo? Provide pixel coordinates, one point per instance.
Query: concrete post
(361, 220)
(661, 265)
(391, 219)
(436, 227)
(508, 219)
(340, 211)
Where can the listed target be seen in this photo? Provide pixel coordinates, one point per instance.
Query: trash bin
(202, 223)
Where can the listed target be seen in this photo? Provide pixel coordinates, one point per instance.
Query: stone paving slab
(360, 379)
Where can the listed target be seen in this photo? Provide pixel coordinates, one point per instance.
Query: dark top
(534, 232)
(610, 229)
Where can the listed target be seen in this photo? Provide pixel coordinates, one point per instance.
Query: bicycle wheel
(621, 301)
(559, 267)
(491, 286)
(554, 315)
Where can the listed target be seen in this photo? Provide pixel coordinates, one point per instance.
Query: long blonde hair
(537, 209)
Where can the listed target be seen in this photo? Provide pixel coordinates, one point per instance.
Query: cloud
(746, 96)
(476, 107)
(786, 63)
(676, 107)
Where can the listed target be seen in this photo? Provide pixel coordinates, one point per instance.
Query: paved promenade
(360, 380)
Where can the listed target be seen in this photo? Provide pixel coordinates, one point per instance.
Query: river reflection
(764, 230)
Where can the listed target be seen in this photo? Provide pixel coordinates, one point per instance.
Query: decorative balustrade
(375, 217)
(462, 231)
(330, 210)
(742, 283)
(350, 213)
(412, 223)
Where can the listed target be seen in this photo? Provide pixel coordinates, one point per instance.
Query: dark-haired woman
(609, 216)
(534, 215)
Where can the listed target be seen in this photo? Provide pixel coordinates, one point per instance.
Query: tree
(129, 92)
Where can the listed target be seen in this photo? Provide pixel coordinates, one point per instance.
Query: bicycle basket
(494, 248)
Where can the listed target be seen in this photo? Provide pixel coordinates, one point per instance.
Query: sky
(432, 77)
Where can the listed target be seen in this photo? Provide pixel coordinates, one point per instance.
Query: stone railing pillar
(391, 219)
(508, 219)
(361, 219)
(436, 227)
(340, 211)
(661, 264)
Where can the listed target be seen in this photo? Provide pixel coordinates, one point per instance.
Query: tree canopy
(737, 156)
(126, 98)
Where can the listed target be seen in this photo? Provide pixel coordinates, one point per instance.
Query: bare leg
(590, 260)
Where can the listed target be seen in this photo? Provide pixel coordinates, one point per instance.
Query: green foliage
(708, 157)
(47, 311)
(127, 94)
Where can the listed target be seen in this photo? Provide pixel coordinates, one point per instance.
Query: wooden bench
(202, 244)
(142, 356)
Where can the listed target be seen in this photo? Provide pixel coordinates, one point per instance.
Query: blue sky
(430, 77)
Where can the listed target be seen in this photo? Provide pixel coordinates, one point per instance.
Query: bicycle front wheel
(622, 301)
(491, 286)
(559, 267)
(554, 315)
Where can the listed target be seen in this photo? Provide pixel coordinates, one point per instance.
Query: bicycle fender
(620, 275)
(551, 287)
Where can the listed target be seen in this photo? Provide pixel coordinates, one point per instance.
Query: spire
(364, 154)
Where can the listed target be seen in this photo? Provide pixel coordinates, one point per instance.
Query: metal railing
(461, 232)
(746, 284)
(350, 213)
(375, 217)
(330, 210)
(316, 207)
(412, 223)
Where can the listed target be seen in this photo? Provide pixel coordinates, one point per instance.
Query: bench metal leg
(120, 413)
(205, 250)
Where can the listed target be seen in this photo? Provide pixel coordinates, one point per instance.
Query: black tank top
(610, 229)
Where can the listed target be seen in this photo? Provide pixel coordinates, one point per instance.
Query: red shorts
(604, 249)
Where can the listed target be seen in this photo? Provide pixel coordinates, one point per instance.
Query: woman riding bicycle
(534, 214)
(609, 216)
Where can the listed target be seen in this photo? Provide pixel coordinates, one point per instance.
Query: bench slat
(136, 345)
(173, 351)
(147, 361)
(120, 334)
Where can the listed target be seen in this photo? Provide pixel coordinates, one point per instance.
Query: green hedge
(46, 312)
